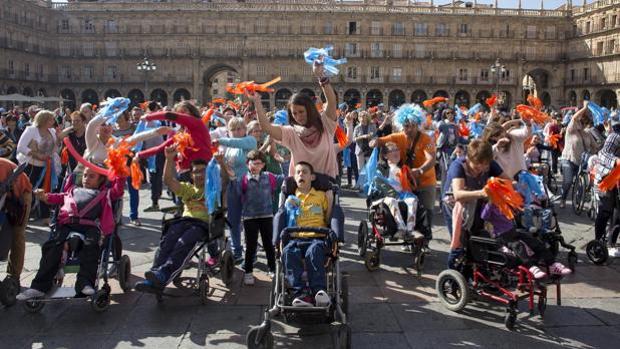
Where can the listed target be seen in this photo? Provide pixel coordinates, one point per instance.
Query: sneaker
(538, 274)
(144, 286)
(135, 222)
(322, 299)
(152, 208)
(303, 302)
(248, 279)
(157, 278)
(88, 290)
(212, 261)
(29, 294)
(559, 269)
(614, 252)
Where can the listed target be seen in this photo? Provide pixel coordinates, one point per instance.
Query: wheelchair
(487, 271)
(111, 263)
(382, 232)
(198, 256)
(9, 287)
(281, 294)
(597, 249)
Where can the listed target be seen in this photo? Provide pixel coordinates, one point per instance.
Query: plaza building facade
(397, 51)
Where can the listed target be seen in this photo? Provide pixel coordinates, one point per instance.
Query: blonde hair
(252, 125)
(364, 114)
(42, 117)
(236, 122)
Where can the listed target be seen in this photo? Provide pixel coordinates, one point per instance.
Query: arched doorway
(11, 90)
(374, 98)
(181, 95)
(215, 79)
(482, 96)
(90, 96)
(607, 98)
(69, 98)
(461, 98)
(585, 95)
(282, 97)
(505, 99)
(572, 98)
(352, 97)
(136, 97)
(112, 93)
(545, 98)
(396, 98)
(418, 96)
(266, 100)
(28, 92)
(308, 92)
(534, 82)
(160, 96)
(441, 93)
(41, 92)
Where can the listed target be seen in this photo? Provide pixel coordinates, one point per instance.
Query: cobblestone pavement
(389, 308)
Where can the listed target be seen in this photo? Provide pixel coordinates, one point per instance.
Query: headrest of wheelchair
(321, 182)
(75, 234)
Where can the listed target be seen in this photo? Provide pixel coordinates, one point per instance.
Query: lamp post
(146, 66)
(497, 69)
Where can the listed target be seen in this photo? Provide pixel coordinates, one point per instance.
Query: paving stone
(587, 337)
(93, 341)
(225, 319)
(380, 340)
(373, 318)
(136, 339)
(478, 338)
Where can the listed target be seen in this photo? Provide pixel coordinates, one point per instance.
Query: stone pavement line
(390, 308)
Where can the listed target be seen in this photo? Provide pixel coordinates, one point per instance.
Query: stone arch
(308, 92)
(282, 97)
(607, 98)
(11, 90)
(136, 97)
(545, 98)
(535, 81)
(506, 99)
(352, 97)
(441, 93)
(90, 96)
(210, 75)
(585, 95)
(181, 94)
(41, 92)
(482, 96)
(69, 98)
(160, 96)
(374, 97)
(462, 98)
(396, 98)
(418, 96)
(27, 91)
(112, 93)
(572, 98)
(266, 100)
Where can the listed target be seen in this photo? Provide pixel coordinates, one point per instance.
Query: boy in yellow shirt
(313, 209)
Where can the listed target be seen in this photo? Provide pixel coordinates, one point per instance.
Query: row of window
(26, 69)
(375, 72)
(605, 47)
(573, 74)
(603, 23)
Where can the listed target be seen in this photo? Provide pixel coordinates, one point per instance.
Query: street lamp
(146, 66)
(497, 69)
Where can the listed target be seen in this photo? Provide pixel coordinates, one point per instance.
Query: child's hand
(170, 152)
(291, 201)
(40, 195)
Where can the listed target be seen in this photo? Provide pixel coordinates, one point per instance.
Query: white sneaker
(322, 299)
(248, 279)
(88, 290)
(29, 293)
(614, 252)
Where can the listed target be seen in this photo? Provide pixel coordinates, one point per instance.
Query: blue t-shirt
(457, 170)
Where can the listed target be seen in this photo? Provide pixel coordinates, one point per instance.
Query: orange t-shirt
(22, 183)
(425, 143)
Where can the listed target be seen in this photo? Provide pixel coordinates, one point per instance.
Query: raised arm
(169, 174)
(91, 132)
(328, 91)
(274, 131)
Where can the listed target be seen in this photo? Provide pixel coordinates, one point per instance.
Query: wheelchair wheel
(34, 305)
(417, 252)
(101, 300)
(343, 337)
(578, 195)
(227, 267)
(542, 306)
(362, 238)
(597, 252)
(372, 260)
(8, 291)
(266, 342)
(203, 289)
(124, 271)
(452, 290)
(344, 295)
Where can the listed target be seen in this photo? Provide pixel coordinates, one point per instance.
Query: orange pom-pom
(64, 156)
(491, 100)
(431, 102)
(502, 194)
(341, 136)
(535, 102)
(47, 180)
(611, 180)
(218, 101)
(117, 160)
(463, 129)
(251, 86)
(532, 114)
(144, 105)
(358, 105)
(554, 140)
(206, 119)
(136, 175)
(184, 142)
(233, 105)
(403, 176)
(373, 110)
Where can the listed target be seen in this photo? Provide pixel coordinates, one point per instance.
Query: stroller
(281, 294)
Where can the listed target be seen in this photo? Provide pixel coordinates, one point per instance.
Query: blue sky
(549, 4)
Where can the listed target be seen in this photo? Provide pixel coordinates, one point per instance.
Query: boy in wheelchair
(309, 252)
(86, 213)
(180, 235)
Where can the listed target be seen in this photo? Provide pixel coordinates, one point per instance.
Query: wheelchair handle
(318, 230)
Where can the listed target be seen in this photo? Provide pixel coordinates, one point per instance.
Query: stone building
(398, 51)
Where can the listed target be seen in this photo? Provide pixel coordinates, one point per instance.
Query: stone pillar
(542, 4)
(520, 4)
(196, 76)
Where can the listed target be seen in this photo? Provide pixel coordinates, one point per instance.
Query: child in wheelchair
(86, 214)
(180, 235)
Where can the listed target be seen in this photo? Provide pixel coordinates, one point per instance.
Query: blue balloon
(409, 113)
(113, 108)
(292, 210)
(281, 117)
(213, 186)
(322, 55)
(599, 115)
(474, 109)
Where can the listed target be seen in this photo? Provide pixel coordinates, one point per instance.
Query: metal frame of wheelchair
(279, 298)
(597, 250)
(487, 273)
(370, 242)
(200, 283)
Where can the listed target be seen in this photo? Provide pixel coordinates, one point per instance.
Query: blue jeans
(234, 218)
(447, 216)
(569, 171)
(134, 200)
(175, 246)
(313, 252)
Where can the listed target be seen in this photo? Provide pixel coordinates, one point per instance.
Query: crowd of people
(440, 155)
